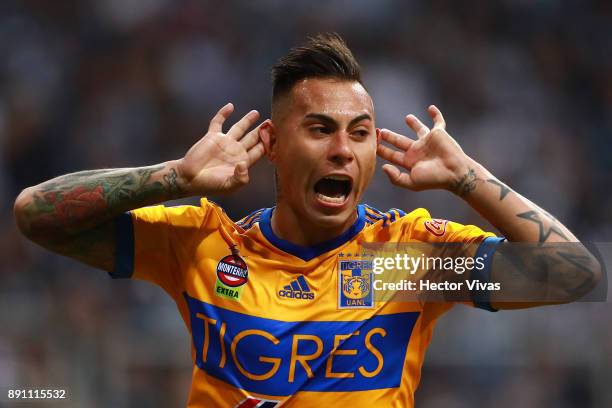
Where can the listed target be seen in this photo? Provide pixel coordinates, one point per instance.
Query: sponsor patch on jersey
(436, 226)
(297, 289)
(355, 289)
(232, 275)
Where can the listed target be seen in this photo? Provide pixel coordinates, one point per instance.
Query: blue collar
(310, 252)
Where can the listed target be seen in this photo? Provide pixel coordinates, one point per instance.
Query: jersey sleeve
(479, 244)
(155, 243)
(419, 226)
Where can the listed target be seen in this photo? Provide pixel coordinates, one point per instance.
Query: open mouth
(333, 189)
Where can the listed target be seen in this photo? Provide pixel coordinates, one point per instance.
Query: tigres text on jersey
(273, 323)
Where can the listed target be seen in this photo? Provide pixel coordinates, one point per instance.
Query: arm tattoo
(466, 183)
(549, 215)
(79, 201)
(583, 267)
(170, 180)
(73, 214)
(551, 272)
(504, 190)
(544, 232)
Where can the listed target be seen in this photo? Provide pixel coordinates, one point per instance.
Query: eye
(362, 133)
(320, 129)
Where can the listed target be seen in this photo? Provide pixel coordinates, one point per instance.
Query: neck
(286, 224)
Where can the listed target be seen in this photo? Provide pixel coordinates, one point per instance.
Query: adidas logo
(297, 289)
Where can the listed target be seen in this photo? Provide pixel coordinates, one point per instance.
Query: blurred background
(526, 88)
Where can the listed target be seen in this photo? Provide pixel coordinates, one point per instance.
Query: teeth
(337, 177)
(335, 200)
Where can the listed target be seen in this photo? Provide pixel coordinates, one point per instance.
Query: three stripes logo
(251, 402)
(297, 289)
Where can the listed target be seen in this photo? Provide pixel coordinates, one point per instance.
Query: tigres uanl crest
(355, 287)
(355, 284)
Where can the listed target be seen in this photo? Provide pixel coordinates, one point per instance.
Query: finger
(396, 177)
(397, 140)
(241, 173)
(417, 126)
(251, 138)
(256, 153)
(216, 123)
(240, 128)
(390, 155)
(436, 115)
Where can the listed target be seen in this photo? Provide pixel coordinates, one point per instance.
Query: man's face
(324, 150)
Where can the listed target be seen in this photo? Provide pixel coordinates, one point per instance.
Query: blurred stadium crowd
(526, 88)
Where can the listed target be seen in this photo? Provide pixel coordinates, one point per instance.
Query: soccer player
(280, 305)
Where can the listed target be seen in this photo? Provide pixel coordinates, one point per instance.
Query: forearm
(560, 271)
(70, 204)
(516, 217)
(75, 214)
(563, 267)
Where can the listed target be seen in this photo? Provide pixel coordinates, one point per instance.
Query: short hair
(323, 56)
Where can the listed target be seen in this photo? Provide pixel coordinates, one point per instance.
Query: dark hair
(323, 56)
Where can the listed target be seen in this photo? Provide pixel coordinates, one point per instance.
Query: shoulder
(399, 226)
(392, 216)
(417, 226)
(248, 221)
(179, 215)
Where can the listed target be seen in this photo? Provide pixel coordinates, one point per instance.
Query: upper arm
(158, 244)
(532, 275)
(453, 239)
(95, 247)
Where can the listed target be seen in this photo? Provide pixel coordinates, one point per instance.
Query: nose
(340, 150)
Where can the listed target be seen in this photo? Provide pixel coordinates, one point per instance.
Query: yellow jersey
(277, 324)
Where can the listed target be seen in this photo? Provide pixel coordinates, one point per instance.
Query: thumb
(396, 177)
(241, 173)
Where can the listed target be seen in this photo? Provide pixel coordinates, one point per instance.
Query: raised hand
(74, 214)
(219, 162)
(434, 160)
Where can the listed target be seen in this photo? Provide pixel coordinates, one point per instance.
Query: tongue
(330, 188)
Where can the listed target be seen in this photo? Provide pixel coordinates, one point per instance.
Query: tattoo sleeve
(504, 190)
(542, 262)
(544, 231)
(72, 214)
(465, 184)
(533, 274)
(516, 217)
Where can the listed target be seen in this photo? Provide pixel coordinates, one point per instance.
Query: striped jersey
(277, 324)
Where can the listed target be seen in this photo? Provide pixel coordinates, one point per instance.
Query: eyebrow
(331, 121)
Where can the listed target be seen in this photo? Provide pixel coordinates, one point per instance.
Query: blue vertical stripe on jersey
(250, 216)
(124, 247)
(400, 212)
(248, 221)
(373, 212)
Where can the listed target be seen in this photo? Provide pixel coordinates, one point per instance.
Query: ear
(267, 135)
